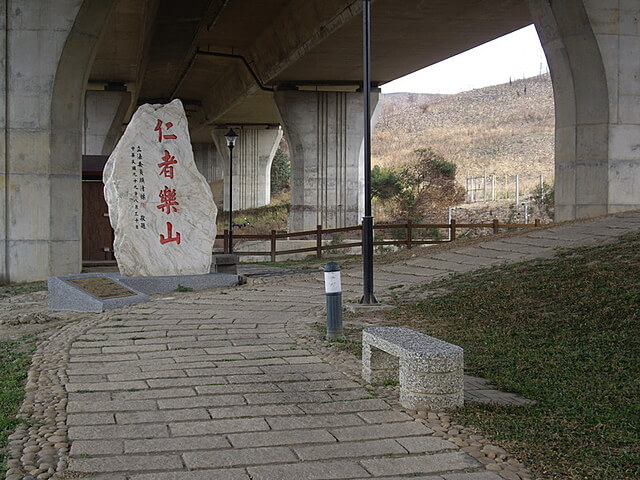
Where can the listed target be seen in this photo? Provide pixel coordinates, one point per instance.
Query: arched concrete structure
(238, 65)
(592, 48)
(47, 55)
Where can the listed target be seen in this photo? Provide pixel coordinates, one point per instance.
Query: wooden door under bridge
(97, 234)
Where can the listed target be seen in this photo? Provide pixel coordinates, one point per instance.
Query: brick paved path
(225, 384)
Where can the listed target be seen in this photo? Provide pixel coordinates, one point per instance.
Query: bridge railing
(406, 234)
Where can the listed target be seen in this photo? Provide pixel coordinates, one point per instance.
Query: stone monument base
(97, 292)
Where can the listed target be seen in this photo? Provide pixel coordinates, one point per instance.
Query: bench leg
(377, 365)
(430, 391)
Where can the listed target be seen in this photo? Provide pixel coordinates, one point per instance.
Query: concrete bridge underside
(73, 72)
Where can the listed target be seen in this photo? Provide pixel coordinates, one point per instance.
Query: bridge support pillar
(210, 164)
(325, 133)
(104, 115)
(252, 157)
(45, 61)
(592, 47)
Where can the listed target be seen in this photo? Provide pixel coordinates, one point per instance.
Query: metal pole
(230, 199)
(367, 221)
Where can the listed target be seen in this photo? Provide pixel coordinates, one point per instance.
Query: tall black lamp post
(231, 137)
(367, 221)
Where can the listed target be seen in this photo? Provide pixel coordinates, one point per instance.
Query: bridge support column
(211, 165)
(103, 118)
(46, 54)
(593, 47)
(252, 157)
(325, 135)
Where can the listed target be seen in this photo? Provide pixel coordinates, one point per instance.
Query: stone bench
(429, 370)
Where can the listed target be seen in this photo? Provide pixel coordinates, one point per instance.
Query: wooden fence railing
(409, 239)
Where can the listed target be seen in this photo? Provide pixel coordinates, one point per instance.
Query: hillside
(507, 129)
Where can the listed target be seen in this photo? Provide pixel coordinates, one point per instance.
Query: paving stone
(287, 397)
(94, 418)
(317, 385)
(117, 431)
(425, 444)
(134, 349)
(184, 382)
(201, 401)
(384, 416)
(105, 386)
(124, 377)
(218, 426)
(97, 447)
(254, 411)
(162, 416)
(78, 406)
(279, 353)
(218, 474)
(277, 438)
(236, 388)
(155, 394)
(238, 457)
(472, 476)
(439, 462)
(125, 463)
(313, 421)
(343, 407)
(350, 449)
(223, 371)
(308, 471)
(386, 430)
(175, 444)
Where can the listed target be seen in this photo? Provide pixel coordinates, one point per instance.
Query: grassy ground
(15, 358)
(18, 288)
(563, 332)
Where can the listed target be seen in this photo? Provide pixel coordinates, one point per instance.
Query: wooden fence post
(453, 229)
(409, 234)
(496, 227)
(273, 245)
(226, 241)
(319, 241)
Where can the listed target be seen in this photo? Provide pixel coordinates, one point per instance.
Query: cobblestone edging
(39, 447)
(493, 457)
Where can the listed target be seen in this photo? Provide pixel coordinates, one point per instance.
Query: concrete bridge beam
(325, 133)
(593, 48)
(252, 158)
(104, 116)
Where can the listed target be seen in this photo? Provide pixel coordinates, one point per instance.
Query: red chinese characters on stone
(170, 238)
(166, 167)
(161, 135)
(168, 197)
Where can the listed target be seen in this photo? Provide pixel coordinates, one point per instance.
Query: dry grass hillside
(507, 129)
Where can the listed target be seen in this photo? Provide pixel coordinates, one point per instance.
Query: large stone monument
(160, 206)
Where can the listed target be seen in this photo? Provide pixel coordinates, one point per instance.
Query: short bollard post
(333, 290)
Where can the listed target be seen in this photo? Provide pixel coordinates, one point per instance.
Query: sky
(516, 55)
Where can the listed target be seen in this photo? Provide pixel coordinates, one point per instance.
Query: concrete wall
(593, 47)
(47, 50)
(325, 133)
